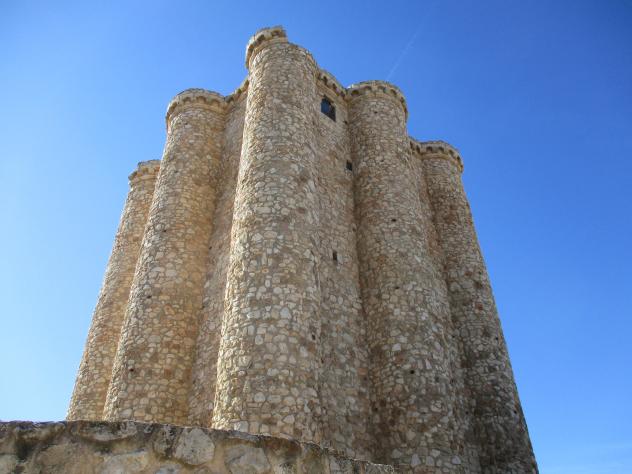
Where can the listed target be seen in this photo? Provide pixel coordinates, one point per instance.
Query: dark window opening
(328, 108)
(335, 256)
(349, 166)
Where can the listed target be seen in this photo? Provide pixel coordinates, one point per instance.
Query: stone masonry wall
(152, 370)
(344, 355)
(404, 297)
(202, 395)
(497, 424)
(138, 448)
(95, 371)
(269, 364)
(305, 276)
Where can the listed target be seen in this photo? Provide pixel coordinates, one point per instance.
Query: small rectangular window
(335, 256)
(349, 166)
(328, 108)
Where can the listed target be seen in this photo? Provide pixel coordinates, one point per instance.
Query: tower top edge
(144, 168)
(376, 87)
(263, 35)
(331, 83)
(437, 149)
(196, 97)
(236, 94)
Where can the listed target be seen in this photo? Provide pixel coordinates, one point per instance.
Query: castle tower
(268, 365)
(204, 376)
(497, 420)
(95, 372)
(152, 370)
(404, 296)
(307, 271)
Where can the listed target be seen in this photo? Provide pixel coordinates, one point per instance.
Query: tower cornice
(236, 94)
(144, 168)
(264, 36)
(437, 149)
(378, 88)
(200, 98)
(331, 83)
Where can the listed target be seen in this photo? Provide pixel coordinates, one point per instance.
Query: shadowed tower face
(296, 265)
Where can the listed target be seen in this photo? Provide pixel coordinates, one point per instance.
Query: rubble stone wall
(81, 447)
(95, 371)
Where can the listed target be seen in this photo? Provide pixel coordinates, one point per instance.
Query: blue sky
(537, 96)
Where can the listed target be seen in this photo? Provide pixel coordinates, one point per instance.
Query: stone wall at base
(84, 447)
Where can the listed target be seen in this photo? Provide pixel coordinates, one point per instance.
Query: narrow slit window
(335, 256)
(349, 166)
(328, 108)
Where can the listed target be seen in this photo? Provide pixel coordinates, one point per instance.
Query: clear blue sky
(536, 95)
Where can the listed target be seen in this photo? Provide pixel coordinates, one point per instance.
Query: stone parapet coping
(145, 168)
(331, 83)
(377, 88)
(264, 35)
(437, 149)
(133, 447)
(236, 94)
(195, 97)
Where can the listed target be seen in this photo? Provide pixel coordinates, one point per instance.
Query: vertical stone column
(268, 367)
(497, 419)
(151, 374)
(404, 295)
(468, 446)
(95, 370)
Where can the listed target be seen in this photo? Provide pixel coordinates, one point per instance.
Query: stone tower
(298, 266)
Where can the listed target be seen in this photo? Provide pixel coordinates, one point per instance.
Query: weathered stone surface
(194, 447)
(64, 448)
(246, 460)
(124, 463)
(8, 463)
(95, 372)
(298, 266)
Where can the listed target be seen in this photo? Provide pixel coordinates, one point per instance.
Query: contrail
(408, 45)
(403, 53)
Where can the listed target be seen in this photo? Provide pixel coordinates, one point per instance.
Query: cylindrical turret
(204, 373)
(497, 419)
(95, 371)
(404, 295)
(268, 366)
(151, 373)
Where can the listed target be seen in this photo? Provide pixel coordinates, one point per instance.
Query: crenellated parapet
(145, 169)
(264, 36)
(331, 83)
(377, 89)
(237, 93)
(437, 149)
(195, 98)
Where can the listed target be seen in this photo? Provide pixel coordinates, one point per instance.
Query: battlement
(331, 83)
(195, 98)
(237, 93)
(144, 168)
(437, 149)
(264, 35)
(378, 88)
